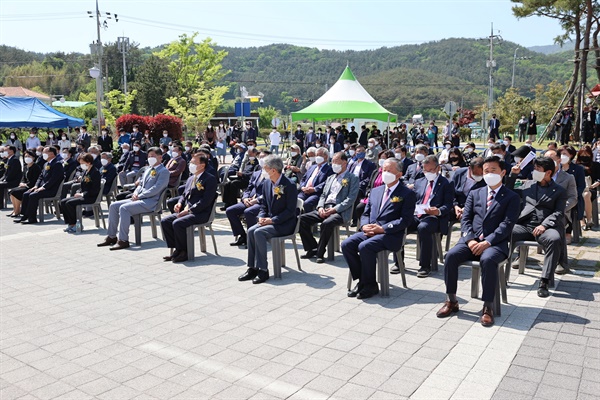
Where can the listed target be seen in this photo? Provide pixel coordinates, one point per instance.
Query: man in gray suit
(145, 198)
(334, 208)
(542, 217)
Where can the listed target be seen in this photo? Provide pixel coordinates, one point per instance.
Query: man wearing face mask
(310, 140)
(105, 141)
(435, 194)
(275, 139)
(69, 165)
(277, 217)
(383, 224)
(193, 207)
(293, 165)
(14, 141)
(136, 135)
(313, 182)
(308, 160)
(542, 217)
(14, 172)
(499, 149)
(334, 146)
(176, 165)
(40, 160)
(95, 153)
(240, 181)
(108, 171)
(249, 206)
(33, 142)
(415, 171)
(488, 219)
(124, 138)
(334, 208)
(136, 159)
(144, 199)
(362, 168)
(464, 181)
(400, 154)
(124, 154)
(373, 150)
(45, 187)
(84, 139)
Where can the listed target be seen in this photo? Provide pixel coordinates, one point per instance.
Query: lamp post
(95, 73)
(512, 82)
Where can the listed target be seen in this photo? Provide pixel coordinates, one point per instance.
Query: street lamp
(95, 74)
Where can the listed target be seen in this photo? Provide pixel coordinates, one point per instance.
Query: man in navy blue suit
(313, 181)
(383, 224)
(277, 217)
(488, 219)
(464, 181)
(435, 194)
(193, 207)
(400, 153)
(415, 170)
(249, 206)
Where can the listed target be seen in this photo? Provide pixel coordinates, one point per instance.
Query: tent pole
(388, 132)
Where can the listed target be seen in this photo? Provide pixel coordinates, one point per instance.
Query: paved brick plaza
(82, 322)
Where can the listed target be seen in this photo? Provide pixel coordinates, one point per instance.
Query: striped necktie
(490, 199)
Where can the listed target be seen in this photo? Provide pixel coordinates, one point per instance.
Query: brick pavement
(81, 322)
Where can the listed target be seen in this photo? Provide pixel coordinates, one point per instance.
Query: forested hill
(406, 79)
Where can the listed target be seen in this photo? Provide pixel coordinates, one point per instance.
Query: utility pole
(123, 46)
(512, 82)
(491, 64)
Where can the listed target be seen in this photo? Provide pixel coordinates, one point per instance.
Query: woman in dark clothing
(532, 126)
(31, 173)
(592, 181)
(86, 194)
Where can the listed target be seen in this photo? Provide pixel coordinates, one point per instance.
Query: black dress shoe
(354, 292)
(241, 240)
(423, 273)
(121, 244)
(395, 269)
(248, 275)
(181, 257)
(320, 260)
(261, 276)
(368, 291)
(543, 290)
(309, 254)
(29, 221)
(109, 241)
(19, 220)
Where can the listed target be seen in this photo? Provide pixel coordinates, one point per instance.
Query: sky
(63, 25)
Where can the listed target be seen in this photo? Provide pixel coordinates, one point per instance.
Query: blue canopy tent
(28, 112)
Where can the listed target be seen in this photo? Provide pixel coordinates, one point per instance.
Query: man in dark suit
(499, 149)
(487, 222)
(249, 206)
(383, 224)
(136, 159)
(46, 186)
(313, 181)
(240, 181)
(493, 126)
(435, 195)
(334, 146)
(352, 135)
(95, 153)
(542, 217)
(363, 138)
(136, 135)
(194, 207)
(105, 141)
(85, 139)
(464, 181)
(400, 154)
(108, 171)
(362, 168)
(14, 172)
(277, 217)
(311, 138)
(334, 208)
(299, 137)
(415, 170)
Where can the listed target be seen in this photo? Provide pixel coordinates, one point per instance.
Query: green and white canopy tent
(346, 99)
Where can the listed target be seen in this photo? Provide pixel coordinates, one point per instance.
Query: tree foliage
(153, 85)
(266, 115)
(117, 104)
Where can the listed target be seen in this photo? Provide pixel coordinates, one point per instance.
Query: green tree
(154, 86)
(511, 106)
(117, 104)
(266, 115)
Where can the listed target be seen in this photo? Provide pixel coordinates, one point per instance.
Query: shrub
(166, 122)
(127, 122)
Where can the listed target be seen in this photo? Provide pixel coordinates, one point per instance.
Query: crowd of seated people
(343, 178)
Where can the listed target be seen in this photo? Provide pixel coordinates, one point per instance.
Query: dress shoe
(29, 221)
(395, 269)
(447, 309)
(108, 242)
(368, 291)
(223, 208)
(569, 238)
(241, 240)
(181, 257)
(487, 316)
(11, 215)
(121, 244)
(560, 270)
(423, 273)
(309, 254)
(261, 276)
(320, 260)
(543, 290)
(248, 275)
(19, 220)
(354, 292)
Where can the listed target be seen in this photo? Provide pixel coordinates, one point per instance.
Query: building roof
(18, 91)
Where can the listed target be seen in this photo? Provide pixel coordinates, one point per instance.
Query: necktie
(427, 195)
(385, 198)
(490, 199)
(418, 166)
(313, 177)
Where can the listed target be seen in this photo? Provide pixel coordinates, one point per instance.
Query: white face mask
(332, 141)
(84, 167)
(518, 159)
(346, 146)
(312, 159)
(104, 162)
(170, 148)
(136, 148)
(492, 179)
(381, 162)
(250, 147)
(103, 133)
(122, 134)
(32, 136)
(65, 156)
(28, 160)
(265, 174)
(477, 178)
(193, 168)
(5, 154)
(337, 168)
(388, 177)
(51, 136)
(430, 176)
(125, 151)
(371, 145)
(251, 158)
(398, 156)
(564, 159)
(135, 130)
(64, 138)
(152, 161)
(175, 154)
(351, 152)
(293, 154)
(505, 142)
(38, 153)
(490, 144)
(318, 145)
(448, 146)
(538, 176)
(419, 157)
(261, 162)
(187, 148)
(12, 136)
(45, 156)
(319, 159)
(468, 150)
(94, 156)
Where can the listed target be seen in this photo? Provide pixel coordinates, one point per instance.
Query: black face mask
(584, 160)
(453, 160)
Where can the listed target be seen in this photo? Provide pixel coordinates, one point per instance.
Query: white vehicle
(417, 118)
